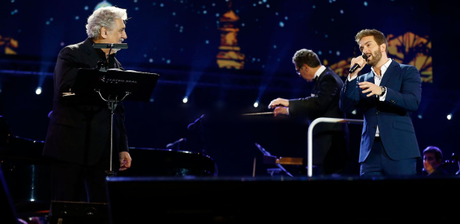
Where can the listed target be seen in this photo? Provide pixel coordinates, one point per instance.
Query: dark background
(180, 39)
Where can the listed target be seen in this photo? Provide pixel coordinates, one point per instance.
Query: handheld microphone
(356, 66)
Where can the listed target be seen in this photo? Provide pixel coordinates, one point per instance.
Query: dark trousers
(330, 154)
(378, 163)
(74, 182)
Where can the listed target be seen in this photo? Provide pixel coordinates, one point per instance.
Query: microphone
(192, 125)
(356, 66)
(176, 143)
(263, 150)
(110, 46)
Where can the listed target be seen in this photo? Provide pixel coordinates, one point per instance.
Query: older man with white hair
(78, 137)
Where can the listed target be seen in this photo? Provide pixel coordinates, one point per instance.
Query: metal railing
(310, 136)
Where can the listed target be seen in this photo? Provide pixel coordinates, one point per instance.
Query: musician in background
(78, 137)
(432, 162)
(330, 141)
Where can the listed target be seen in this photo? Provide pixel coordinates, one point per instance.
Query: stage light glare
(256, 104)
(449, 117)
(38, 91)
(185, 100)
(420, 116)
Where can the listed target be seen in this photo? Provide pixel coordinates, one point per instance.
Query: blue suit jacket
(392, 116)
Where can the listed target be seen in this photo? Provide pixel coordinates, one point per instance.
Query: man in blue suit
(386, 95)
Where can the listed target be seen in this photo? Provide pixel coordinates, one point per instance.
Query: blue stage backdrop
(248, 35)
(228, 56)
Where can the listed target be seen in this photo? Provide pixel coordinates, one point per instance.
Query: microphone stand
(266, 153)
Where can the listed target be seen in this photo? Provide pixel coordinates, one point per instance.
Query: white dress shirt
(317, 74)
(377, 81)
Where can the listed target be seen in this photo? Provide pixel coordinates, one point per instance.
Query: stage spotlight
(38, 91)
(420, 116)
(256, 104)
(449, 117)
(185, 100)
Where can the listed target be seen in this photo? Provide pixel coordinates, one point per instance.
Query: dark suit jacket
(393, 116)
(324, 102)
(79, 132)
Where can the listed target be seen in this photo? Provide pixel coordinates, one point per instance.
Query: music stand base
(110, 173)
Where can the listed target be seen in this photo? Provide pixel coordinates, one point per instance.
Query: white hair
(104, 17)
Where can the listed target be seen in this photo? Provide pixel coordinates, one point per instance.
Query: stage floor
(235, 199)
(268, 199)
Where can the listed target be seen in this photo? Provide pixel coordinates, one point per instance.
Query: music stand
(113, 86)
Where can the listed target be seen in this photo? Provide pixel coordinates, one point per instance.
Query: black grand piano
(26, 172)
